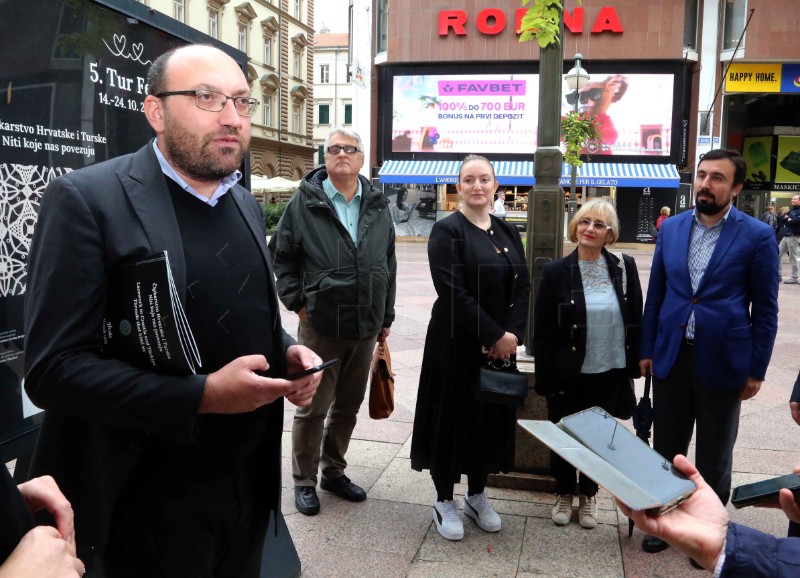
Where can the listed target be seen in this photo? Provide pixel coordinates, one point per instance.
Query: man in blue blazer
(709, 321)
(169, 475)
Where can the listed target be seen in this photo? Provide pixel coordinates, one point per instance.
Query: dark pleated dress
(481, 295)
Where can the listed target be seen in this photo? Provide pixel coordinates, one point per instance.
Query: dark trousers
(476, 484)
(592, 389)
(681, 403)
(202, 531)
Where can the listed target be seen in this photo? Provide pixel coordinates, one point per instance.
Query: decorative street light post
(576, 79)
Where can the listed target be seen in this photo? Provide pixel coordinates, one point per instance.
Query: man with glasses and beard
(336, 267)
(709, 321)
(169, 475)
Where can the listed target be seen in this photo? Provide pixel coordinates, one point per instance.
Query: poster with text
(73, 86)
(485, 114)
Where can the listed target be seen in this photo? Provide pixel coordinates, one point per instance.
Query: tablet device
(611, 455)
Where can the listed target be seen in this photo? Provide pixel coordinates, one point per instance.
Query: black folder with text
(144, 322)
(611, 455)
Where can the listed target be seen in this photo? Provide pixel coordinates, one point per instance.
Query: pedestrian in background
(586, 340)
(482, 285)
(665, 211)
(783, 235)
(769, 217)
(500, 205)
(791, 220)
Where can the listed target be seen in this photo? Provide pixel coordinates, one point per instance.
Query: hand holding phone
(764, 491)
(311, 370)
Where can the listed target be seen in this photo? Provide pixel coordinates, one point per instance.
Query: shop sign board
(762, 77)
(492, 21)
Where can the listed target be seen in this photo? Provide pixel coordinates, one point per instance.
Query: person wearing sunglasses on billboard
(595, 98)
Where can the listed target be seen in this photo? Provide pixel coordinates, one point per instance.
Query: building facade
(277, 36)
(333, 91)
(453, 78)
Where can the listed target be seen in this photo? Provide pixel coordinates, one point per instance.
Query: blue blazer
(735, 306)
(753, 554)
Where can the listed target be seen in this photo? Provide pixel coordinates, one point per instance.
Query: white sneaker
(562, 509)
(479, 509)
(587, 511)
(445, 514)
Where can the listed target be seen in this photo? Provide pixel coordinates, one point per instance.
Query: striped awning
(521, 173)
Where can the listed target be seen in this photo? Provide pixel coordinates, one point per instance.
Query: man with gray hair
(335, 264)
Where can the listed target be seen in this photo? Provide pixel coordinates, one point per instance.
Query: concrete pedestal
(532, 457)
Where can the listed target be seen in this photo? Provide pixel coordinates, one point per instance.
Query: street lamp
(576, 79)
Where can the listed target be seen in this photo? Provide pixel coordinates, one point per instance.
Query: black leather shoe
(306, 500)
(695, 564)
(344, 488)
(651, 544)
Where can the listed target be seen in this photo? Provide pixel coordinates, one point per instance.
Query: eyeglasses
(336, 149)
(584, 97)
(214, 101)
(596, 225)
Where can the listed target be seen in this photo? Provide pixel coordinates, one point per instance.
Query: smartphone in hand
(764, 491)
(311, 370)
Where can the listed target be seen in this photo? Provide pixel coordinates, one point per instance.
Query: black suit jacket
(99, 410)
(559, 320)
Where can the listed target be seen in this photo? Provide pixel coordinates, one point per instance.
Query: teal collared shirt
(347, 212)
(223, 187)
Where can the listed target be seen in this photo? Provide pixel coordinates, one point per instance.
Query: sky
(331, 13)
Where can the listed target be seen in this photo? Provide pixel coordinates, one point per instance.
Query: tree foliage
(541, 22)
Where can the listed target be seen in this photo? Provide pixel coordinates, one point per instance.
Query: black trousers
(199, 530)
(681, 403)
(593, 389)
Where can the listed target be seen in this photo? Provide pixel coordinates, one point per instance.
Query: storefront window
(735, 11)
(690, 25)
(382, 26)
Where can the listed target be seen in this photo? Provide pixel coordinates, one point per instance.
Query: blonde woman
(665, 211)
(586, 340)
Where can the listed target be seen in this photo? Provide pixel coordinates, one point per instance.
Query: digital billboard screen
(498, 113)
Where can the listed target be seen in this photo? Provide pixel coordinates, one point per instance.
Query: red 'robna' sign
(492, 21)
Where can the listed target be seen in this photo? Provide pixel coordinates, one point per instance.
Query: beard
(196, 156)
(707, 206)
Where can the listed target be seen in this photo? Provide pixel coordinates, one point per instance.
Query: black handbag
(500, 382)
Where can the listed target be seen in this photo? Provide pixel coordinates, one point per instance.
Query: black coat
(559, 321)
(480, 295)
(99, 411)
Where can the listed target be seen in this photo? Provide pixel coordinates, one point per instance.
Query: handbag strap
(647, 379)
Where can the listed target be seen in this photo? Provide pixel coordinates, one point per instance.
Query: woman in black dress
(482, 282)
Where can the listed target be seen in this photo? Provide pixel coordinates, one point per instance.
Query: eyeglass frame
(585, 96)
(596, 226)
(252, 103)
(343, 148)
